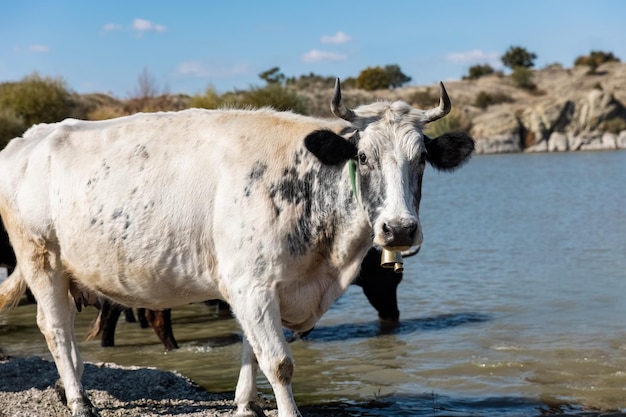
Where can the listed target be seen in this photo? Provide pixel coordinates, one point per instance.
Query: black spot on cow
(255, 174)
(142, 151)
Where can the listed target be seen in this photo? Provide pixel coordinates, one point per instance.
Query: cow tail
(12, 289)
(95, 328)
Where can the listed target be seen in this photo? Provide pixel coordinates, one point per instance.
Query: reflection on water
(514, 306)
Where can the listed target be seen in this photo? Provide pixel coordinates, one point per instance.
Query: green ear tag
(352, 171)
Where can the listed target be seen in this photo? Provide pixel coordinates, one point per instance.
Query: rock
(497, 132)
(620, 141)
(498, 144)
(595, 109)
(558, 142)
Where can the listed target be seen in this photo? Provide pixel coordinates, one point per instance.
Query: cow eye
(362, 158)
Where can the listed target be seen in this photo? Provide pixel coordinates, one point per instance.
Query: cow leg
(246, 394)
(161, 322)
(259, 315)
(55, 318)
(110, 313)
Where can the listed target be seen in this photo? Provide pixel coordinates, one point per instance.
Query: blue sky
(187, 46)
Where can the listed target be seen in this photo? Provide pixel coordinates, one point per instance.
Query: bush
(484, 99)
(312, 82)
(373, 78)
(272, 95)
(349, 82)
(522, 77)
(595, 59)
(455, 121)
(210, 100)
(37, 100)
(106, 112)
(477, 71)
(11, 126)
(423, 99)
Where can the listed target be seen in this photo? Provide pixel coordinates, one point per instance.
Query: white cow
(270, 211)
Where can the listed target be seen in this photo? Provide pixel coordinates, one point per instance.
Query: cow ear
(449, 151)
(329, 148)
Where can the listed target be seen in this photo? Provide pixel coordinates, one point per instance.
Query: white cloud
(200, 70)
(474, 56)
(39, 48)
(111, 26)
(338, 37)
(143, 25)
(316, 55)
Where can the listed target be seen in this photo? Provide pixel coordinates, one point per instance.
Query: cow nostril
(411, 228)
(386, 229)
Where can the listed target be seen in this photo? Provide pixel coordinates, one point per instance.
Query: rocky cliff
(570, 110)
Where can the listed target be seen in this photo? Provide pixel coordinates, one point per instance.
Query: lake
(516, 305)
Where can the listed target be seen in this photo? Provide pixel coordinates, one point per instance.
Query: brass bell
(392, 259)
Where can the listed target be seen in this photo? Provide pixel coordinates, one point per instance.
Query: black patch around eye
(329, 148)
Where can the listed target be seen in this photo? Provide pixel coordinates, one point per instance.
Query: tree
(272, 76)
(146, 86)
(373, 78)
(396, 77)
(516, 56)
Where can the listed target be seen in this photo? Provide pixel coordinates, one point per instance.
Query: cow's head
(390, 151)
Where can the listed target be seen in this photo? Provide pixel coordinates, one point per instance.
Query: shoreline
(27, 389)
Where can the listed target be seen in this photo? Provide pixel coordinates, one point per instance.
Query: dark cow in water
(272, 212)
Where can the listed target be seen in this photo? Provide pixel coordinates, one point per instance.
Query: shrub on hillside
(372, 79)
(37, 99)
(595, 59)
(455, 121)
(485, 99)
(423, 99)
(11, 126)
(311, 82)
(477, 71)
(272, 95)
(210, 99)
(522, 77)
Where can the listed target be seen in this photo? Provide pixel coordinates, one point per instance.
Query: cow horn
(337, 107)
(443, 108)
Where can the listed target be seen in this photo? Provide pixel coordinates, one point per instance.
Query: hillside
(568, 109)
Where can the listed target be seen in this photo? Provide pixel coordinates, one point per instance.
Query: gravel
(27, 389)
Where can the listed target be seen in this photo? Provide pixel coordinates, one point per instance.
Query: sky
(189, 46)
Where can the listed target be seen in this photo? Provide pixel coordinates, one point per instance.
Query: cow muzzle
(401, 234)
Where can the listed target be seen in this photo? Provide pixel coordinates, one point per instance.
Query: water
(514, 306)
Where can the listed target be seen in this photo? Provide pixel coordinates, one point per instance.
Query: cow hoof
(85, 409)
(250, 410)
